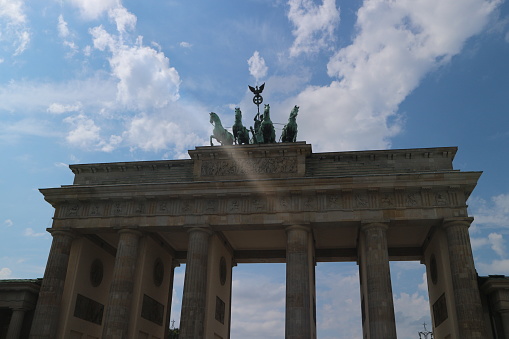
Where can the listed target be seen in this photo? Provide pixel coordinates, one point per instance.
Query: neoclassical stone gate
(121, 228)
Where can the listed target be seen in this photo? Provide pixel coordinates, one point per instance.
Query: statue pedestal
(260, 161)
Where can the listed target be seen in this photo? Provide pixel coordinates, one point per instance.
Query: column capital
(292, 227)
(62, 231)
(459, 221)
(133, 231)
(20, 308)
(205, 229)
(367, 225)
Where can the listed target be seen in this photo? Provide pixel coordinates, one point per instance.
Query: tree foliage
(173, 333)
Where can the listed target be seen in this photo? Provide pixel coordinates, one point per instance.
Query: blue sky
(85, 81)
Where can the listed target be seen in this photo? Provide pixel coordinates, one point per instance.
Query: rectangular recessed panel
(440, 310)
(88, 309)
(152, 310)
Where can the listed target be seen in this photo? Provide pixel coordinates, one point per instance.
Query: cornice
(253, 162)
(442, 181)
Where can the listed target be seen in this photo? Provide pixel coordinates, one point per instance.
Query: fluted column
(464, 279)
(47, 311)
(298, 291)
(380, 306)
(118, 310)
(192, 316)
(16, 323)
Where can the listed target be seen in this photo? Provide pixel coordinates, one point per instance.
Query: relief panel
(214, 168)
(286, 202)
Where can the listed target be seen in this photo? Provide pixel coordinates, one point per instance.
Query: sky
(88, 81)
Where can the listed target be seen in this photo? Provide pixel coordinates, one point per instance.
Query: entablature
(317, 200)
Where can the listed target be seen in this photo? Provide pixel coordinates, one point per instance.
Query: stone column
(380, 306)
(118, 310)
(192, 316)
(505, 322)
(16, 323)
(464, 279)
(298, 292)
(47, 312)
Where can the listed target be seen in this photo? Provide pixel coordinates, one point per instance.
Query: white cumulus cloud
(257, 67)
(8, 223)
(494, 240)
(29, 232)
(495, 267)
(24, 40)
(86, 134)
(497, 243)
(102, 39)
(313, 25)
(397, 43)
(13, 10)
(338, 302)
(92, 9)
(424, 285)
(159, 131)
(258, 309)
(145, 78)
(125, 20)
(488, 215)
(63, 30)
(66, 35)
(5, 273)
(493, 213)
(58, 108)
(13, 25)
(411, 311)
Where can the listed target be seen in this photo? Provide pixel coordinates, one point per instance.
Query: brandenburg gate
(121, 228)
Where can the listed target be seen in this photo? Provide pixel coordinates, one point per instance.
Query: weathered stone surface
(192, 323)
(298, 290)
(273, 160)
(247, 196)
(16, 324)
(495, 288)
(464, 279)
(380, 306)
(116, 319)
(45, 323)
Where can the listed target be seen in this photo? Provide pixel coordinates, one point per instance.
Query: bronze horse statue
(240, 133)
(289, 133)
(219, 133)
(267, 128)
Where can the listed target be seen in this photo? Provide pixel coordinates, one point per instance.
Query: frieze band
(252, 203)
